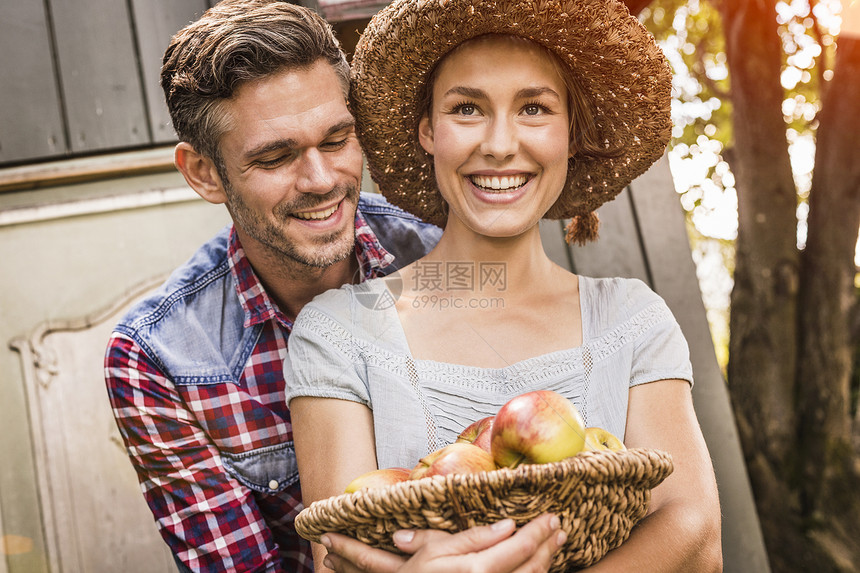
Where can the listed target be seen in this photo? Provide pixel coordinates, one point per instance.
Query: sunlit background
(688, 31)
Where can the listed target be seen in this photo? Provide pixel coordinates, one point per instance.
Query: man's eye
(270, 163)
(334, 145)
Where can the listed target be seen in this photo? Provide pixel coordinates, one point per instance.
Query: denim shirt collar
(259, 308)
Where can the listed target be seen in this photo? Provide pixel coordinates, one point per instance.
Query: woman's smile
(500, 189)
(498, 130)
(499, 183)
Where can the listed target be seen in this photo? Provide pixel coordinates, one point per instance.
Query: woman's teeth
(499, 184)
(316, 215)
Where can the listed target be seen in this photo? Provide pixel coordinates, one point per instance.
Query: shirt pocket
(267, 470)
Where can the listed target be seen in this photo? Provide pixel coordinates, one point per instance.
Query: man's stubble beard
(323, 253)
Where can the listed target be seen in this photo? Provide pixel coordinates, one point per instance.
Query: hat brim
(615, 60)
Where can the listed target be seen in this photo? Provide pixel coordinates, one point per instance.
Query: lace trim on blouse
(579, 360)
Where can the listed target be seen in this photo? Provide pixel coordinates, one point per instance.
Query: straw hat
(614, 59)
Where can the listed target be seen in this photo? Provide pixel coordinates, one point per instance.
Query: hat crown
(612, 57)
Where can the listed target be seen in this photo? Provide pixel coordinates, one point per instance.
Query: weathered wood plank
(99, 74)
(78, 170)
(664, 235)
(552, 236)
(156, 21)
(617, 252)
(31, 123)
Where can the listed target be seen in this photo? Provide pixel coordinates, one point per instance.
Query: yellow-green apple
(478, 433)
(537, 428)
(456, 458)
(378, 478)
(600, 439)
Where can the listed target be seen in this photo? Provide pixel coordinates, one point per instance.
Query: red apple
(537, 428)
(457, 458)
(478, 433)
(378, 478)
(600, 439)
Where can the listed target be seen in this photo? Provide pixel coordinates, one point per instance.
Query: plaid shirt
(182, 438)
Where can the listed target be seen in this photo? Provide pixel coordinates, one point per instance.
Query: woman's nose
(501, 139)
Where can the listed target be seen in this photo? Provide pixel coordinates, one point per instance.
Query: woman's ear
(200, 173)
(425, 133)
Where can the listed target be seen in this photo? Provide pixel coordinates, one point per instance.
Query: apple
(536, 428)
(456, 458)
(600, 439)
(478, 433)
(378, 478)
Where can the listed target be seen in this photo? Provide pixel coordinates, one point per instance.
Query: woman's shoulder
(341, 304)
(360, 311)
(615, 300)
(619, 290)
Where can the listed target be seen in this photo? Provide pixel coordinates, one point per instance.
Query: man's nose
(315, 175)
(501, 141)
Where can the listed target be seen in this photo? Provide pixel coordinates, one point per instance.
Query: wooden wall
(81, 76)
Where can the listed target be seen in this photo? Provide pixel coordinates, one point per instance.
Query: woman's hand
(497, 548)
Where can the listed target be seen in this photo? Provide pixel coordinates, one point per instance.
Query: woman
(486, 117)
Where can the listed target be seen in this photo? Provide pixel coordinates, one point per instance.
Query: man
(257, 91)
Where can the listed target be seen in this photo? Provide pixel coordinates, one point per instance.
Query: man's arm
(209, 520)
(681, 532)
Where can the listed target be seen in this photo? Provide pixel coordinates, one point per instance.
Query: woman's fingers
(529, 550)
(496, 548)
(439, 543)
(348, 555)
(491, 548)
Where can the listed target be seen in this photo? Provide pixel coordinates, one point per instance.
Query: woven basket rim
(638, 468)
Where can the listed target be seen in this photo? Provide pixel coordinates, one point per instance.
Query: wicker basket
(599, 497)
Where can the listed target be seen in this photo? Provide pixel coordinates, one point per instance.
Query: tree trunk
(763, 320)
(826, 305)
(763, 340)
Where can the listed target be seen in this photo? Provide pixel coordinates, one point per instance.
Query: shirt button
(273, 484)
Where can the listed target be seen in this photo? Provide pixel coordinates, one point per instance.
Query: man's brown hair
(237, 41)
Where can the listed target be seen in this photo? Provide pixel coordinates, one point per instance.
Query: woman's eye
(465, 109)
(533, 109)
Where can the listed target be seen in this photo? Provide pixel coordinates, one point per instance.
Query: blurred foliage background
(690, 33)
(766, 160)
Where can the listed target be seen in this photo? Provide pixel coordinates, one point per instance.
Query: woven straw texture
(612, 57)
(599, 497)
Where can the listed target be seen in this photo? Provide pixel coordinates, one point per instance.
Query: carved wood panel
(94, 513)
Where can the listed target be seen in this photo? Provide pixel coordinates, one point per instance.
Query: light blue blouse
(347, 345)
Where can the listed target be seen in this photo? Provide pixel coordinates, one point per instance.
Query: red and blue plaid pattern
(175, 435)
